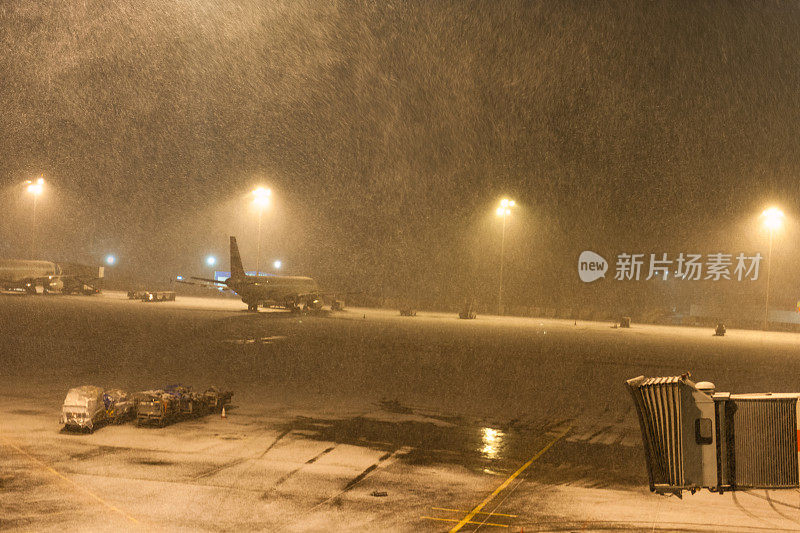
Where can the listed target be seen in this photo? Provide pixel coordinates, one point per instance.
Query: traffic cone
(223, 412)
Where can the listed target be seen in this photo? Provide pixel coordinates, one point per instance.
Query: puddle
(255, 340)
(28, 412)
(478, 448)
(496, 450)
(152, 462)
(99, 451)
(393, 406)
(593, 465)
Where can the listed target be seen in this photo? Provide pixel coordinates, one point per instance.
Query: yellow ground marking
(498, 490)
(50, 469)
(479, 512)
(467, 522)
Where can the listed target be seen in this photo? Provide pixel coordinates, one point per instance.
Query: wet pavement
(360, 420)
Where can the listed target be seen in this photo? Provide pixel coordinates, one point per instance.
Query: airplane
(24, 274)
(288, 292)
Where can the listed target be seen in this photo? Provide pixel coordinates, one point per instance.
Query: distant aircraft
(289, 292)
(23, 274)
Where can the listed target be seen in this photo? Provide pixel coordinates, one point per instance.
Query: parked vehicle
(88, 407)
(83, 408)
(159, 296)
(468, 311)
(151, 296)
(190, 403)
(136, 295)
(156, 407)
(216, 399)
(176, 402)
(118, 405)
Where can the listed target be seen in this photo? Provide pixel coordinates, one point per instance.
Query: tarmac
(360, 420)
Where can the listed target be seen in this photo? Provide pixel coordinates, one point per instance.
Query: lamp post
(261, 198)
(35, 188)
(773, 220)
(504, 210)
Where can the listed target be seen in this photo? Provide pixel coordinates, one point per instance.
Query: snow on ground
(334, 411)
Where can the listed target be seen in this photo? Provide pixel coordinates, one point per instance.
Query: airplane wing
(207, 279)
(210, 283)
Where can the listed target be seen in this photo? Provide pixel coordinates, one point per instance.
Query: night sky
(388, 132)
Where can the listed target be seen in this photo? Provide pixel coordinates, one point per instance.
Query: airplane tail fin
(237, 270)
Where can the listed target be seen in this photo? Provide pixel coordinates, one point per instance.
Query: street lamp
(503, 210)
(261, 198)
(35, 188)
(773, 220)
(110, 259)
(211, 260)
(277, 265)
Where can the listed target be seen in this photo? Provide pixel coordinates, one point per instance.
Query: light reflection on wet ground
(492, 442)
(480, 449)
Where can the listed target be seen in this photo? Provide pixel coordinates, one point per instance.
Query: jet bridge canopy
(697, 439)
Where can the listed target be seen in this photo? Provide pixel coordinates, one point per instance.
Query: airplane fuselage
(284, 291)
(26, 274)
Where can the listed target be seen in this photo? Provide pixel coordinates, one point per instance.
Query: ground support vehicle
(152, 296)
(81, 279)
(118, 405)
(468, 311)
(190, 403)
(76, 286)
(156, 407)
(177, 402)
(83, 408)
(216, 400)
(136, 295)
(194, 405)
(159, 296)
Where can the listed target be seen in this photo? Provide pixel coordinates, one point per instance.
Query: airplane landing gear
(252, 307)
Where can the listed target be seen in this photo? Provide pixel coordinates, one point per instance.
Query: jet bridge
(695, 438)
